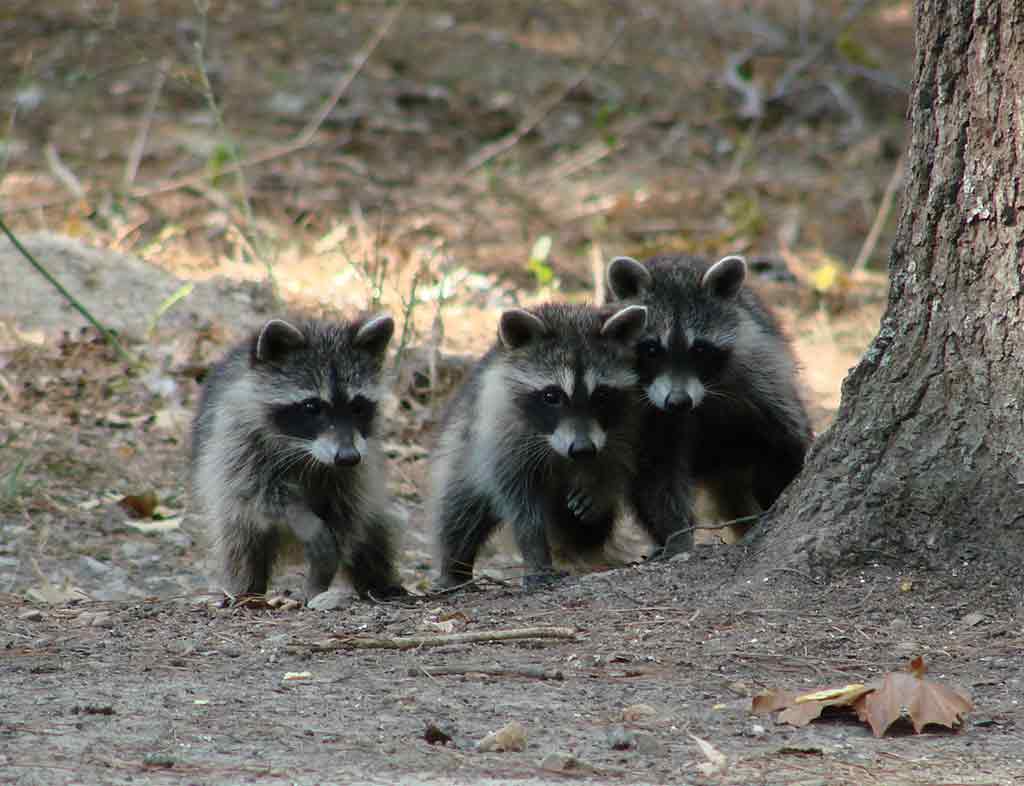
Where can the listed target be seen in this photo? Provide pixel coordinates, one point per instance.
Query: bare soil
(119, 662)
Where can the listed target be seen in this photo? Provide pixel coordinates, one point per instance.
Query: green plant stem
(109, 337)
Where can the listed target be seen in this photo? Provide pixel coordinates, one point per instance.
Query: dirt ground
(466, 136)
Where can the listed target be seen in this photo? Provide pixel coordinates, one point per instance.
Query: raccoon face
(335, 432)
(321, 385)
(689, 341)
(571, 381)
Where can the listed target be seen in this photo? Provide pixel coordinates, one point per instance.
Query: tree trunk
(925, 461)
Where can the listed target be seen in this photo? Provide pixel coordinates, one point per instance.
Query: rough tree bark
(925, 461)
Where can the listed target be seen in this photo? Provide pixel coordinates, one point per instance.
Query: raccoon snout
(347, 456)
(678, 402)
(582, 448)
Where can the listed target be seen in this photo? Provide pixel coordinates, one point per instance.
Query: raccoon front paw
(538, 581)
(580, 504)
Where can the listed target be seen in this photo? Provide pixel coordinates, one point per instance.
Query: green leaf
(541, 250)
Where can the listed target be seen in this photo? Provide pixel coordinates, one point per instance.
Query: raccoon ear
(519, 327)
(625, 325)
(627, 278)
(725, 277)
(375, 334)
(276, 339)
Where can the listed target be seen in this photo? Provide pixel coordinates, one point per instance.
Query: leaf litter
(880, 703)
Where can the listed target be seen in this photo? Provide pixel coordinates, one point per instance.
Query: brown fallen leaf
(141, 506)
(809, 706)
(880, 703)
(772, 701)
(908, 693)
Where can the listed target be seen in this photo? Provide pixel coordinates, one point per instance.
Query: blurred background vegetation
(458, 134)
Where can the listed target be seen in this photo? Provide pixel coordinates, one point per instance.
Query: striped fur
(716, 367)
(283, 444)
(543, 436)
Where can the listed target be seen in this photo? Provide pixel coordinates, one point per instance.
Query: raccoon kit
(542, 436)
(714, 364)
(284, 440)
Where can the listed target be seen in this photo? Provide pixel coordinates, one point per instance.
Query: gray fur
(503, 457)
(735, 398)
(283, 444)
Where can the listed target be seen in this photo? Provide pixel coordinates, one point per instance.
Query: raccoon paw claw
(538, 581)
(580, 503)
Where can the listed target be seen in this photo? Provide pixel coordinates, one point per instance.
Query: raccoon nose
(582, 448)
(347, 457)
(678, 402)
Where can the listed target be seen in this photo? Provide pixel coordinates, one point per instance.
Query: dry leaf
(638, 712)
(716, 760)
(826, 277)
(54, 595)
(511, 737)
(880, 703)
(141, 506)
(809, 706)
(908, 693)
(772, 701)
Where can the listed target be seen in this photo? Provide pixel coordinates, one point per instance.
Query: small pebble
(564, 762)
(638, 712)
(620, 738)
(511, 737)
(330, 600)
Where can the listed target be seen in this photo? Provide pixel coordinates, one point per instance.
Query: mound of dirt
(125, 293)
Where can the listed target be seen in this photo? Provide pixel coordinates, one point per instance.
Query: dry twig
(489, 152)
(884, 208)
(441, 640)
(531, 672)
(131, 168)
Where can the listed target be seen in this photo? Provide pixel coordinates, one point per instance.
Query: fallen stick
(415, 642)
(536, 673)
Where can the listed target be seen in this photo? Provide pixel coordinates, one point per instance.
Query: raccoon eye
(649, 348)
(313, 406)
(552, 395)
(360, 406)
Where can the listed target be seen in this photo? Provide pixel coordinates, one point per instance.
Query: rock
(620, 738)
(102, 619)
(638, 712)
(92, 566)
(331, 599)
(648, 744)
(510, 737)
(564, 762)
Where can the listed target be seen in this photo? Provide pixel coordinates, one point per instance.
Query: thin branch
(800, 65)
(881, 217)
(301, 141)
(441, 640)
(530, 672)
(63, 172)
(306, 135)
(109, 337)
(199, 48)
(489, 152)
(131, 168)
